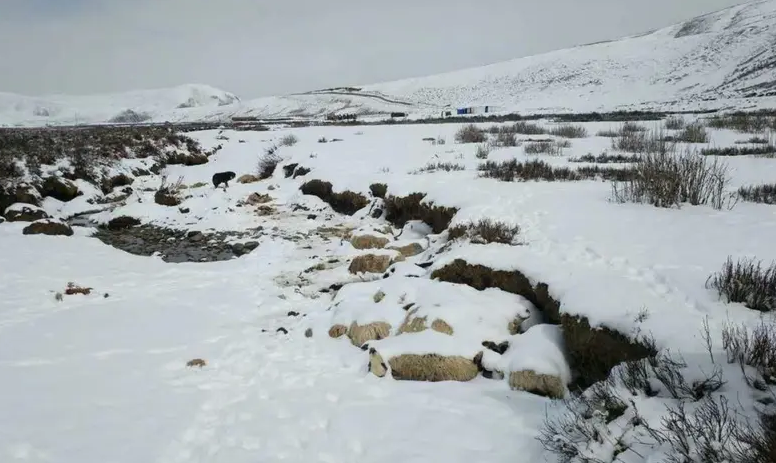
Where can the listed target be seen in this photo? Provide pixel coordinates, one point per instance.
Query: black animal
(223, 177)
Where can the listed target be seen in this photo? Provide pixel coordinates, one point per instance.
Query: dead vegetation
(437, 166)
(485, 231)
(747, 282)
(743, 122)
(470, 133)
(764, 194)
(345, 202)
(401, 209)
(512, 170)
(569, 131)
(664, 178)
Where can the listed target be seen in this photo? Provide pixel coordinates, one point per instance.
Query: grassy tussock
(268, 162)
(762, 150)
(512, 170)
(667, 179)
(437, 166)
(743, 122)
(288, 140)
(485, 231)
(747, 282)
(470, 133)
(764, 194)
(605, 158)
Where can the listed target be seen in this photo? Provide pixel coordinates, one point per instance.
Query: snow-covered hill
(185, 102)
(720, 60)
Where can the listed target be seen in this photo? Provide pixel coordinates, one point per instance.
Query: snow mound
(408, 304)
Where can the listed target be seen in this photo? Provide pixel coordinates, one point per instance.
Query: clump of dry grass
(747, 282)
(764, 194)
(289, 140)
(569, 131)
(667, 179)
(485, 231)
(470, 133)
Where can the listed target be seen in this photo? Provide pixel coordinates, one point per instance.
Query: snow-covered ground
(718, 61)
(103, 377)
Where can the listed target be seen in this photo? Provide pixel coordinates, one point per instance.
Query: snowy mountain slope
(185, 102)
(725, 56)
(721, 60)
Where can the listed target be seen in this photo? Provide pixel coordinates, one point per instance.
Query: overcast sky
(268, 47)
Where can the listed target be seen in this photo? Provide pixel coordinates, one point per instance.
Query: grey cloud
(256, 48)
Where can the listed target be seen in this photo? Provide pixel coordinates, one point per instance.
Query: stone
(408, 250)
(368, 241)
(370, 263)
(247, 178)
(122, 222)
(20, 212)
(60, 188)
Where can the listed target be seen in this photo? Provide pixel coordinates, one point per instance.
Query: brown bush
(400, 210)
(470, 134)
(485, 230)
(346, 202)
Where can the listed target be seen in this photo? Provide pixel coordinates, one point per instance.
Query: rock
(370, 263)
(377, 213)
(282, 330)
(119, 180)
(408, 250)
(120, 223)
(308, 333)
(51, 227)
(337, 331)
(2, 219)
(292, 313)
(247, 178)
(165, 198)
(311, 216)
(238, 248)
(368, 242)
(20, 212)
(60, 188)
(251, 245)
(288, 170)
(255, 199)
(545, 385)
(184, 210)
(22, 193)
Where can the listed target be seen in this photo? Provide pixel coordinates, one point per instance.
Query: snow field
(105, 377)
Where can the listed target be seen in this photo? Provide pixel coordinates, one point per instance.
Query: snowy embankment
(327, 386)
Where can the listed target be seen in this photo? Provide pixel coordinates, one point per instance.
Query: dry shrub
(526, 128)
(763, 150)
(605, 158)
(743, 122)
(506, 139)
(569, 131)
(289, 140)
(378, 190)
(675, 123)
(481, 277)
(667, 179)
(444, 166)
(551, 148)
(346, 202)
(169, 194)
(509, 171)
(485, 231)
(72, 288)
(401, 209)
(693, 133)
(268, 162)
(747, 282)
(470, 134)
(764, 194)
(641, 141)
(483, 151)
